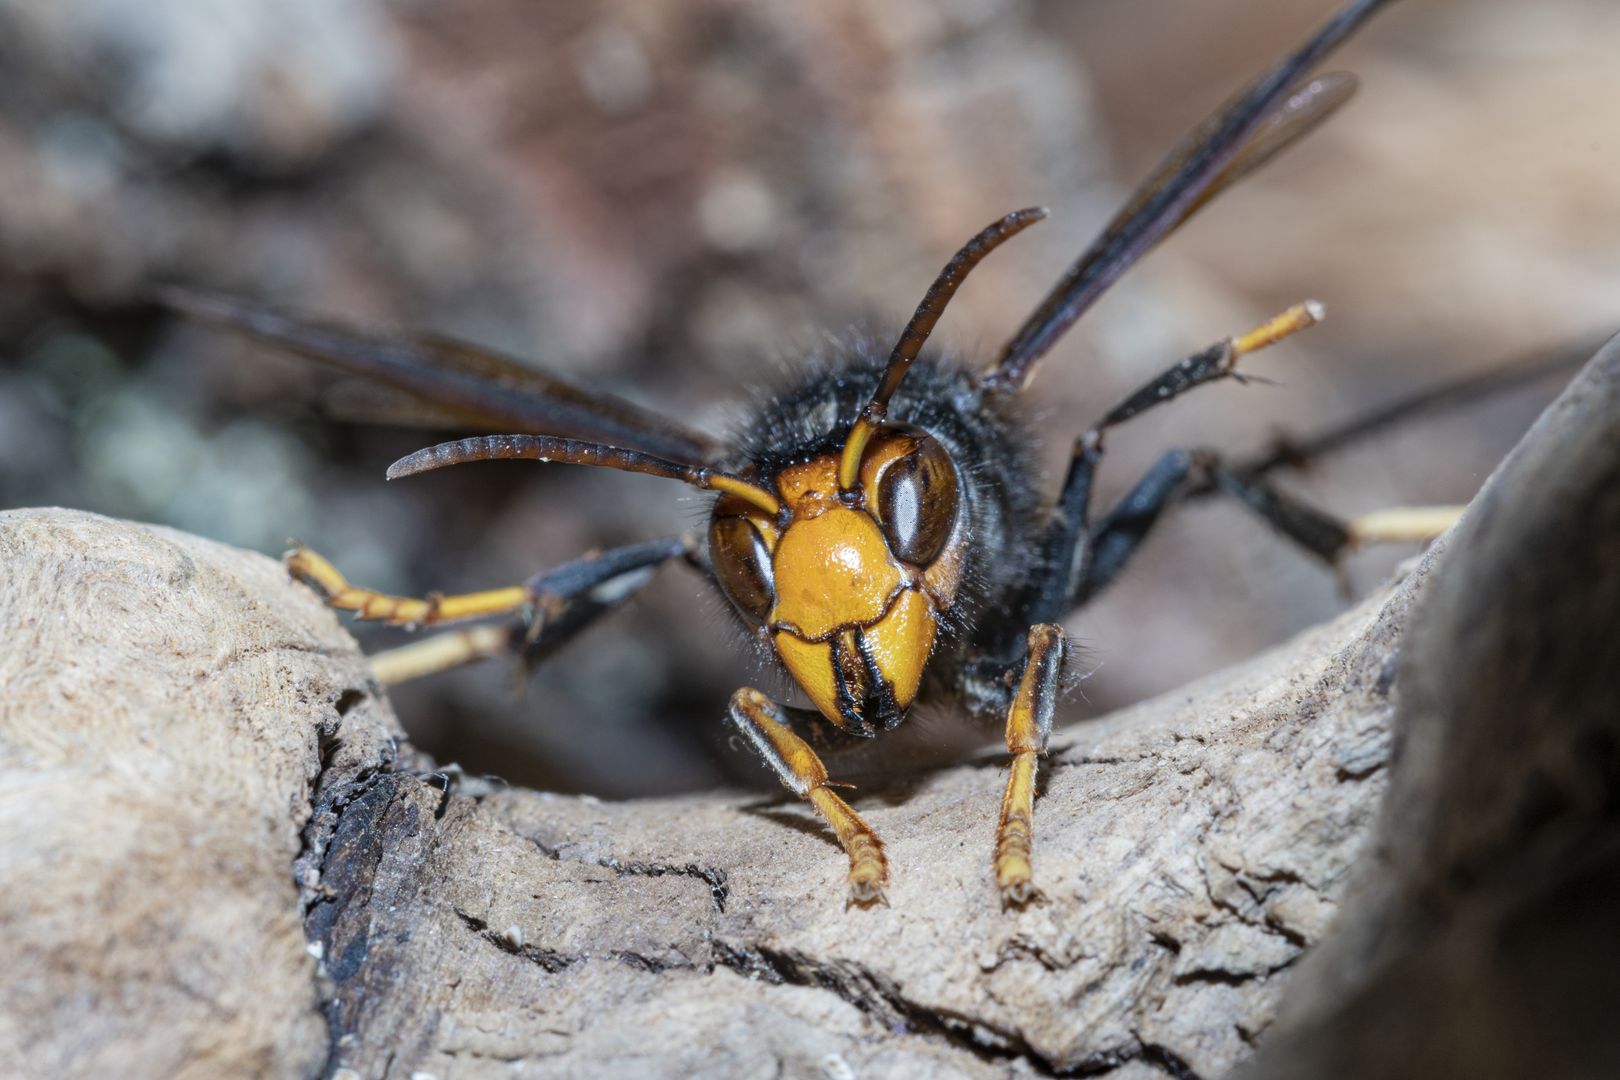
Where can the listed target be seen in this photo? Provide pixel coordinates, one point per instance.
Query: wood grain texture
(1189, 850)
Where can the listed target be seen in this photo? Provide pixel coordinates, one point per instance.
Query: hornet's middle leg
(1081, 558)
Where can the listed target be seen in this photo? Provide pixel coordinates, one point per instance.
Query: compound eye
(742, 566)
(916, 496)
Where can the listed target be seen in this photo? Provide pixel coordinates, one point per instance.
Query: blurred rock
(1478, 939)
(273, 85)
(116, 112)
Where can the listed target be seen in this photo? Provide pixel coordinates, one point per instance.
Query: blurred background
(673, 201)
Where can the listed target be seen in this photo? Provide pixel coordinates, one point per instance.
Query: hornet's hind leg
(551, 607)
(1067, 547)
(1182, 473)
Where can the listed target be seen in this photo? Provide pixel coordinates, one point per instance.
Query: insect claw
(1341, 579)
(1202, 465)
(518, 682)
(1020, 894)
(537, 615)
(865, 894)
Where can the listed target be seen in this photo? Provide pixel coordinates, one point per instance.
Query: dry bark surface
(162, 703)
(1481, 935)
(203, 762)
(233, 863)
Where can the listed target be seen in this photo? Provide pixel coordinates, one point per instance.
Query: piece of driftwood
(200, 761)
(1483, 938)
(222, 859)
(162, 704)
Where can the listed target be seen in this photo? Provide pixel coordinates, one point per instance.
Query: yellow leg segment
(441, 653)
(315, 571)
(803, 773)
(1029, 725)
(1403, 523)
(1301, 316)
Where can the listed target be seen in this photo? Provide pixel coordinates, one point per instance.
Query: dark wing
(450, 383)
(361, 401)
(1297, 117)
(1264, 118)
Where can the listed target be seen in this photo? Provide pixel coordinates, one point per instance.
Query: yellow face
(850, 585)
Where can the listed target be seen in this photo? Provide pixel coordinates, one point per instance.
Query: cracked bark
(235, 864)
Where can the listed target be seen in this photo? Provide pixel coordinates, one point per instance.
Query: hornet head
(848, 584)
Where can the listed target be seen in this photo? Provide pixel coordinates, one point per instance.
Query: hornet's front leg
(802, 773)
(314, 570)
(1029, 725)
(551, 607)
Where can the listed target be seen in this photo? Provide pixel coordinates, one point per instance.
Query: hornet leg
(1181, 473)
(802, 773)
(1066, 546)
(1029, 724)
(552, 607)
(1081, 559)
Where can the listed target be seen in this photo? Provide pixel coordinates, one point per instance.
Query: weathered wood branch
(1483, 939)
(224, 860)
